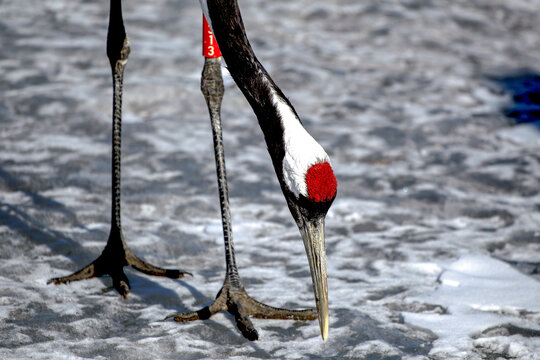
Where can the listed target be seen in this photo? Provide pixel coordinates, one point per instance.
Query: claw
(121, 284)
(239, 304)
(111, 262)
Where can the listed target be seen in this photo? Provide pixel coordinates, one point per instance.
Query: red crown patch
(321, 182)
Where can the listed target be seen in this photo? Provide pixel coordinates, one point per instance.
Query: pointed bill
(313, 236)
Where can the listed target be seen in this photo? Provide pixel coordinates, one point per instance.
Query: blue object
(525, 91)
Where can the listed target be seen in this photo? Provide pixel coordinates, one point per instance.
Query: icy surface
(433, 242)
(481, 295)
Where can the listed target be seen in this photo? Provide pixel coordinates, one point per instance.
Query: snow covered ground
(433, 242)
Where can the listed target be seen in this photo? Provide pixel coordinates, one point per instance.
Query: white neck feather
(301, 149)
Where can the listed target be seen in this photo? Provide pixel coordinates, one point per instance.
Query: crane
(302, 167)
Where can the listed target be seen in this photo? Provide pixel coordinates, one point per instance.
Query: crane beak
(313, 235)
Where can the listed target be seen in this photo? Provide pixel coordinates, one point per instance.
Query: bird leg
(117, 254)
(232, 297)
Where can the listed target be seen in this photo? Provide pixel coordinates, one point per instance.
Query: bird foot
(111, 262)
(237, 302)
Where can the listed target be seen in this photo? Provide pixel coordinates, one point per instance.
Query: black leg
(117, 254)
(232, 297)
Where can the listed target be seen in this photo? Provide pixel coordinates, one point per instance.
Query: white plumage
(301, 149)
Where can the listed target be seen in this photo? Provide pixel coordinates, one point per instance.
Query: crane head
(309, 185)
(309, 207)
